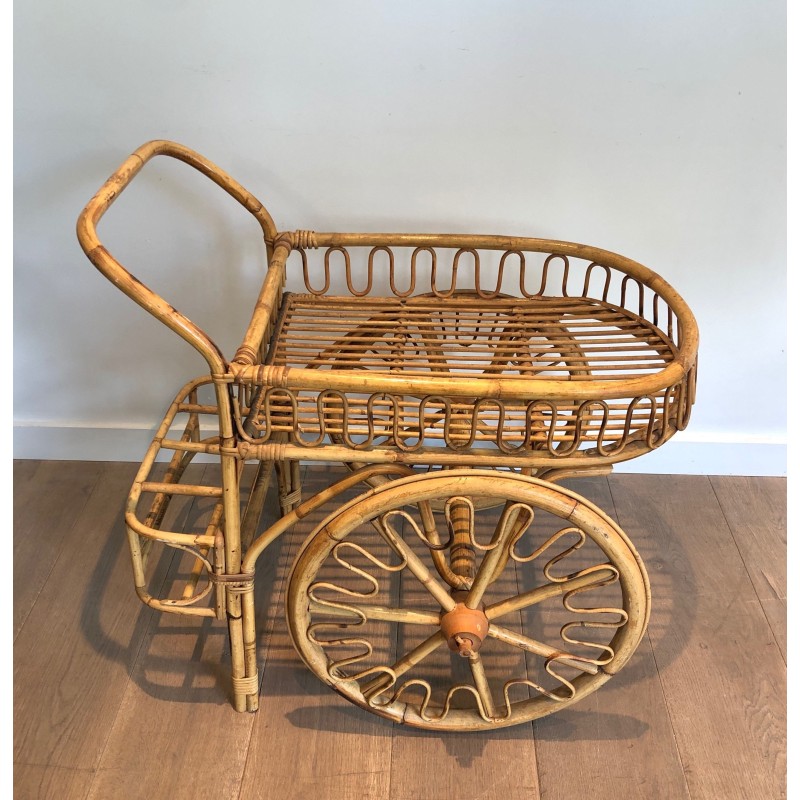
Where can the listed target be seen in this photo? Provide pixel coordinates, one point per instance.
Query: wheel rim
(371, 617)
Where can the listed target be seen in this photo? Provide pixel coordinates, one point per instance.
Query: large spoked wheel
(467, 599)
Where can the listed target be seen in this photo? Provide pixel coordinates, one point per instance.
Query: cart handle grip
(122, 278)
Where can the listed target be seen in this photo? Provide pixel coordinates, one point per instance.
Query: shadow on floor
(186, 659)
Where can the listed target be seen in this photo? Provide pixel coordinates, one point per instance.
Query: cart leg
(230, 465)
(246, 690)
(239, 602)
(289, 490)
(233, 560)
(243, 642)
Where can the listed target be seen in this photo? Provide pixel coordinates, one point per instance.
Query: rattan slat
(562, 337)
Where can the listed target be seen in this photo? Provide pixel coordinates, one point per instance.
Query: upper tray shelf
(554, 338)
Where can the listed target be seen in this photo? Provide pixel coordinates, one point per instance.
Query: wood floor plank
(308, 742)
(755, 510)
(177, 709)
(619, 737)
(775, 611)
(25, 488)
(73, 657)
(46, 504)
(24, 469)
(36, 782)
(720, 668)
(487, 764)
(113, 700)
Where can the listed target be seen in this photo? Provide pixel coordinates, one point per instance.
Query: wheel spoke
(539, 648)
(507, 528)
(481, 683)
(541, 593)
(404, 664)
(403, 615)
(416, 567)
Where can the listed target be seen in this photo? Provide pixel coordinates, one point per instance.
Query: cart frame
(537, 422)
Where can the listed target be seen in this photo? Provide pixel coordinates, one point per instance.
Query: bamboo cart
(459, 378)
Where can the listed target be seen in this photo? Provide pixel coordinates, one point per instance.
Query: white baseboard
(685, 454)
(707, 457)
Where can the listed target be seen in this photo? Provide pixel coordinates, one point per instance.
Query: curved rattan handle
(121, 278)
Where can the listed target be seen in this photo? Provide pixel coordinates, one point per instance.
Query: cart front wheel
(467, 599)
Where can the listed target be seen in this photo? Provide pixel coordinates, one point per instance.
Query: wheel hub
(464, 629)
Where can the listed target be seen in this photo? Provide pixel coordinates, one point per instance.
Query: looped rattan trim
(247, 685)
(304, 239)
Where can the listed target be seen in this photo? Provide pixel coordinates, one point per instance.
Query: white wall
(654, 130)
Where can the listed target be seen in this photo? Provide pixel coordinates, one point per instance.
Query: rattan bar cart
(459, 378)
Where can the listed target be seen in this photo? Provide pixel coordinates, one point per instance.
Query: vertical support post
(250, 689)
(229, 459)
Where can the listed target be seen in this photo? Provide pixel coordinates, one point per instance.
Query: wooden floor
(114, 700)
